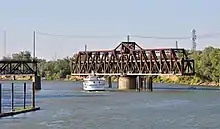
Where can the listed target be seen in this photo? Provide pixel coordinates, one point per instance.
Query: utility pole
(85, 48)
(34, 44)
(5, 42)
(193, 40)
(128, 38)
(176, 45)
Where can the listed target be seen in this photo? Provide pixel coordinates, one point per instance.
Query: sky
(116, 18)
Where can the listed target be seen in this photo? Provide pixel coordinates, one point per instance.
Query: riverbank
(171, 79)
(18, 78)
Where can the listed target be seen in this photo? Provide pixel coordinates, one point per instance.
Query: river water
(65, 106)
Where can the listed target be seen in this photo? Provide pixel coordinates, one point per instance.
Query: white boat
(93, 83)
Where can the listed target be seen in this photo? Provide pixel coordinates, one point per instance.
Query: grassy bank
(186, 80)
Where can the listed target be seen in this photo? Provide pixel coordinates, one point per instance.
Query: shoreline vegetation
(207, 68)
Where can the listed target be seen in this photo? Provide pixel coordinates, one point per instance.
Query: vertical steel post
(138, 88)
(24, 95)
(144, 83)
(12, 96)
(109, 82)
(0, 98)
(33, 94)
(150, 84)
(128, 38)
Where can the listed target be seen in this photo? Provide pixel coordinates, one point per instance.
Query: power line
(77, 36)
(134, 36)
(154, 37)
(96, 36)
(208, 35)
(177, 38)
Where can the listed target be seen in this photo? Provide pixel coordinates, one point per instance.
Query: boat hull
(94, 87)
(93, 83)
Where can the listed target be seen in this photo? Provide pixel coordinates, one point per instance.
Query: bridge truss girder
(130, 59)
(18, 67)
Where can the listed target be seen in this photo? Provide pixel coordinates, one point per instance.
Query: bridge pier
(139, 83)
(109, 82)
(37, 82)
(150, 83)
(143, 83)
(135, 82)
(127, 82)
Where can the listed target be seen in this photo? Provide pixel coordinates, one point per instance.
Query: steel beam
(18, 67)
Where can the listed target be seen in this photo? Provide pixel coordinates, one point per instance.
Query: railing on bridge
(128, 58)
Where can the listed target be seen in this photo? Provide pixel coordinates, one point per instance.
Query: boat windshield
(92, 78)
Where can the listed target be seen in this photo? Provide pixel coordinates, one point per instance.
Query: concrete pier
(137, 83)
(109, 82)
(37, 82)
(127, 82)
(143, 83)
(149, 83)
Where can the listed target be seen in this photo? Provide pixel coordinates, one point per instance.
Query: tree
(23, 55)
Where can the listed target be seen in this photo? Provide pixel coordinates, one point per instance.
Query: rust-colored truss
(18, 67)
(128, 58)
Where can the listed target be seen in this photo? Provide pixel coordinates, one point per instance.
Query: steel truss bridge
(128, 58)
(18, 67)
